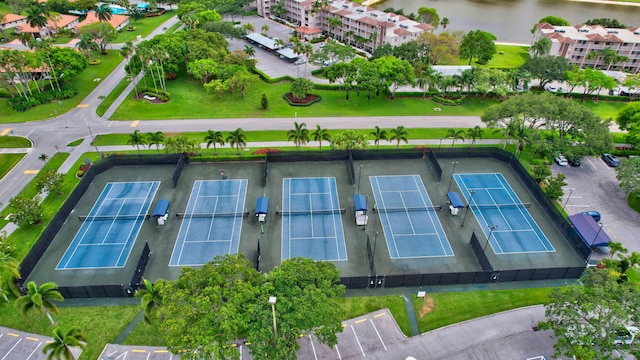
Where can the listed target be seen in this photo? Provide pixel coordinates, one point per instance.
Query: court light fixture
(471, 192)
(452, 172)
(272, 302)
(491, 228)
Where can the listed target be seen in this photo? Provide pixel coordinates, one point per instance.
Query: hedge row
(23, 104)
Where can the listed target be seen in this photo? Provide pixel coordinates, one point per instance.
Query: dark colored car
(610, 160)
(575, 162)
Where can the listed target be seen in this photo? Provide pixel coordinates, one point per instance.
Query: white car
(561, 160)
(626, 336)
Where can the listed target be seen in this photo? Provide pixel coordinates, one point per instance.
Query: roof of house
(308, 30)
(115, 21)
(8, 18)
(61, 22)
(588, 33)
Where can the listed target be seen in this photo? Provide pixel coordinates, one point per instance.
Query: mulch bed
(140, 96)
(306, 100)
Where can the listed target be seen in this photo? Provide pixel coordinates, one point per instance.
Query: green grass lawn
(605, 109)
(357, 306)
(101, 325)
(634, 201)
(14, 142)
(144, 27)
(187, 93)
(507, 56)
(174, 28)
(109, 99)
(83, 82)
(451, 308)
(8, 161)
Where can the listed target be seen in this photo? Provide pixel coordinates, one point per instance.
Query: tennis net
(311, 212)
(500, 206)
(407, 209)
(113, 217)
(212, 215)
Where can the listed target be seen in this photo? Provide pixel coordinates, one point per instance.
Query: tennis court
(110, 229)
(211, 223)
(311, 219)
(501, 214)
(409, 221)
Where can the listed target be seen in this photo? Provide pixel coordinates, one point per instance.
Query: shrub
(80, 173)
(23, 104)
(443, 100)
(265, 151)
(264, 102)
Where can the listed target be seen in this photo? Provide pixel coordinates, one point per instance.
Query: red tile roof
(116, 20)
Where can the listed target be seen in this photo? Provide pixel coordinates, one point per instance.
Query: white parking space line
(377, 333)
(315, 356)
(338, 352)
(358, 340)
(34, 350)
(591, 163)
(13, 347)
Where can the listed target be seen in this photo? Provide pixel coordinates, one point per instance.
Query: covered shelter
(590, 231)
(263, 41)
(262, 207)
(161, 211)
(360, 205)
(455, 202)
(288, 53)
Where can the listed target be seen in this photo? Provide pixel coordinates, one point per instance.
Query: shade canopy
(455, 200)
(262, 205)
(161, 208)
(590, 231)
(360, 202)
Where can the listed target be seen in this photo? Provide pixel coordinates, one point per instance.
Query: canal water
(512, 20)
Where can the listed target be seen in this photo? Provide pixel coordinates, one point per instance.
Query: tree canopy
(629, 119)
(478, 44)
(629, 174)
(547, 68)
(606, 22)
(205, 310)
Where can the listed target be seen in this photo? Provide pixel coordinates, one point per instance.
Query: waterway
(512, 20)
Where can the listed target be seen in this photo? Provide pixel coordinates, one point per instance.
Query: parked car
(575, 162)
(594, 214)
(561, 160)
(626, 335)
(610, 160)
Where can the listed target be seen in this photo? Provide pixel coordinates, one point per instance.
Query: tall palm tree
(333, 23)
(155, 138)
(237, 139)
(249, 27)
(37, 15)
(41, 299)
(43, 157)
(150, 299)
(214, 137)
(104, 13)
(250, 51)
(398, 134)
(299, 134)
(60, 348)
(541, 47)
(87, 46)
(379, 134)
(9, 270)
(264, 29)
(444, 22)
(44, 47)
(475, 133)
(136, 139)
(454, 135)
(320, 134)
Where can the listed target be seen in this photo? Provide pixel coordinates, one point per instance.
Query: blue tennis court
(107, 235)
(311, 219)
(494, 203)
(410, 224)
(212, 222)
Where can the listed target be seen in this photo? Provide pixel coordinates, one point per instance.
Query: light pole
(93, 139)
(491, 228)
(359, 177)
(272, 301)
(468, 206)
(593, 242)
(452, 172)
(375, 242)
(567, 201)
(440, 146)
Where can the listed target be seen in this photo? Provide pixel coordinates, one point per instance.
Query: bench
(149, 97)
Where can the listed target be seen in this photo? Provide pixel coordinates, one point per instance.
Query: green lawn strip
(145, 335)
(281, 135)
(187, 93)
(634, 201)
(509, 56)
(144, 27)
(109, 99)
(451, 308)
(83, 82)
(619, 138)
(8, 161)
(75, 142)
(100, 324)
(14, 142)
(605, 109)
(173, 28)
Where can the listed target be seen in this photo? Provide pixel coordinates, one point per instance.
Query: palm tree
(44, 47)
(455, 135)
(60, 348)
(87, 46)
(237, 139)
(398, 134)
(250, 51)
(104, 13)
(264, 29)
(150, 299)
(333, 23)
(9, 267)
(155, 138)
(136, 139)
(541, 47)
(214, 137)
(249, 27)
(616, 247)
(40, 298)
(43, 157)
(378, 134)
(299, 134)
(37, 15)
(320, 134)
(475, 133)
(444, 22)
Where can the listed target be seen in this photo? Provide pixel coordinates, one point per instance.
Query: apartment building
(358, 25)
(576, 43)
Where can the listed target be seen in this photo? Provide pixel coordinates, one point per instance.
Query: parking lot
(18, 345)
(593, 186)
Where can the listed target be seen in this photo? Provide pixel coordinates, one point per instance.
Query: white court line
(377, 333)
(358, 340)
